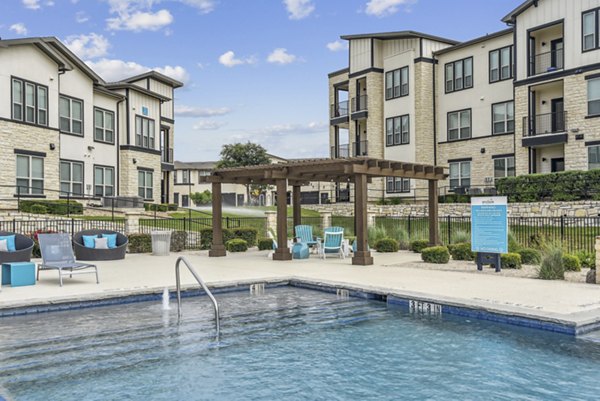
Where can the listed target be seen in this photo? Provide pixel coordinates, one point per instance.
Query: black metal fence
(573, 233)
(70, 226)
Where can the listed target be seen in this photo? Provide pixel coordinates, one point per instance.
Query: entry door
(556, 58)
(185, 201)
(558, 115)
(558, 165)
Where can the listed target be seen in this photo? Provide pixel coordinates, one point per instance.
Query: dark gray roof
(399, 35)
(195, 165)
(127, 85)
(158, 76)
(510, 17)
(476, 40)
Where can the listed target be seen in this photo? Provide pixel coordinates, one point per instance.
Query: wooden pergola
(360, 171)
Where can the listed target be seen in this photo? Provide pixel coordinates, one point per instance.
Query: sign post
(489, 229)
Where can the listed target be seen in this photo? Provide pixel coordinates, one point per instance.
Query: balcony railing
(546, 62)
(541, 124)
(359, 103)
(354, 149)
(166, 155)
(340, 109)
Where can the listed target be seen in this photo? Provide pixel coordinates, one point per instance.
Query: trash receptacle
(161, 243)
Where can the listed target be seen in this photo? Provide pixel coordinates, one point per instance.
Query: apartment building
(520, 101)
(187, 181)
(64, 131)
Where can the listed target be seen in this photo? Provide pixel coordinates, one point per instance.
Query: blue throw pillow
(111, 239)
(10, 242)
(88, 241)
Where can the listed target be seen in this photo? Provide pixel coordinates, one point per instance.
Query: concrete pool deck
(568, 304)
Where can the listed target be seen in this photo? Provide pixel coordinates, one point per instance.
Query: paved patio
(396, 274)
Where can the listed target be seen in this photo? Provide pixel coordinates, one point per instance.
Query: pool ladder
(201, 282)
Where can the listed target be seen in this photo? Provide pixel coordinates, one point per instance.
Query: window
(71, 178)
(29, 102)
(501, 64)
(185, 176)
(145, 184)
(459, 75)
(589, 30)
(593, 157)
(396, 83)
(504, 167)
(397, 131)
(144, 132)
(503, 118)
(459, 125)
(71, 115)
(397, 185)
(460, 174)
(104, 181)
(104, 125)
(594, 97)
(30, 175)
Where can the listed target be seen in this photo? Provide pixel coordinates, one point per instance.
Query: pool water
(286, 344)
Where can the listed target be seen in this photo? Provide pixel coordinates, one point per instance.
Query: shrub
(155, 207)
(510, 261)
(530, 256)
(140, 243)
(247, 234)
(206, 237)
(435, 254)
(462, 251)
(400, 235)
(418, 245)
(38, 209)
(571, 263)
(460, 237)
(178, 240)
(587, 259)
(513, 244)
(172, 207)
(59, 207)
(552, 265)
(236, 245)
(376, 233)
(201, 198)
(386, 245)
(265, 244)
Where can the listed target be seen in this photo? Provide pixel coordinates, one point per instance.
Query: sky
(254, 70)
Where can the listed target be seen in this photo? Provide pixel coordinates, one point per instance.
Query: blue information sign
(489, 224)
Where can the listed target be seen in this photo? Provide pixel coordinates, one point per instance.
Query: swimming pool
(286, 344)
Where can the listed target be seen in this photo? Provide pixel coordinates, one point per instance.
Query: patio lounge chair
(23, 246)
(332, 243)
(57, 254)
(306, 236)
(84, 253)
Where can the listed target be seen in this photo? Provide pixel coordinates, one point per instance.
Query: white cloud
(140, 21)
(189, 111)
(19, 28)
(383, 8)
(337, 46)
(81, 17)
(208, 125)
(228, 59)
(31, 4)
(114, 70)
(281, 56)
(204, 6)
(299, 9)
(88, 46)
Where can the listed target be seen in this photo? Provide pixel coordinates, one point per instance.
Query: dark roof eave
(399, 35)
(511, 16)
(156, 75)
(338, 72)
(126, 85)
(474, 41)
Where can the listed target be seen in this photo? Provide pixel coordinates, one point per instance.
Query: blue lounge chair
(57, 254)
(306, 236)
(332, 242)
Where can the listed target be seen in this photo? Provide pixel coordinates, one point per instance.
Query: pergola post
(296, 205)
(434, 235)
(217, 249)
(282, 252)
(362, 256)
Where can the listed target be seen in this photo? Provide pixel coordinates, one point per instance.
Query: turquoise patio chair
(332, 242)
(305, 234)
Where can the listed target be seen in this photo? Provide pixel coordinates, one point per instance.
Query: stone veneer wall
(375, 130)
(31, 138)
(521, 111)
(423, 124)
(128, 180)
(541, 209)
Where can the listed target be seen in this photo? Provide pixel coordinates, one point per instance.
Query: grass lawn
(207, 214)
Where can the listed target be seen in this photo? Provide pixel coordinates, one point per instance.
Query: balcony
(339, 112)
(166, 155)
(546, 62)
(359, 104)
(545, 129)
(355, 149)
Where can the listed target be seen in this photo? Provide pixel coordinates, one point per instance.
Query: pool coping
(573, 324)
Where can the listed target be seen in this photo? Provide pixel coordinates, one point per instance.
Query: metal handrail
(201, 282)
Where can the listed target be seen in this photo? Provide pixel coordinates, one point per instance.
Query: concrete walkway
(396, 274)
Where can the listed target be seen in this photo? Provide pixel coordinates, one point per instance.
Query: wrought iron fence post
(562, 228)
(112, 208)
(227, 222)
(449, 222)
(68, 204)
(14, 225)
(409, 227)
(72, 227)
(18, 198)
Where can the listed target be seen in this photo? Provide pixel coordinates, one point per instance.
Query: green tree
(241, 155)
(201, 198)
